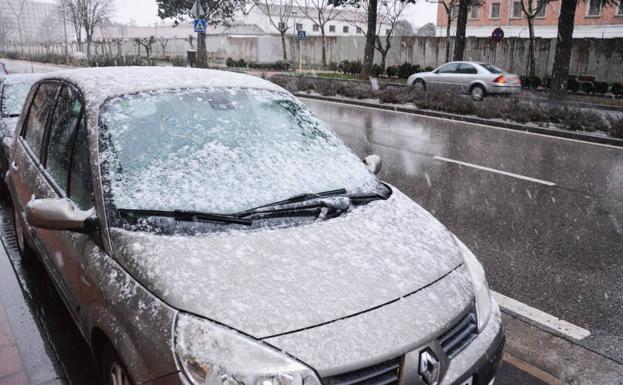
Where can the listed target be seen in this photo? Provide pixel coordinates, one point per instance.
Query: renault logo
(429, 367)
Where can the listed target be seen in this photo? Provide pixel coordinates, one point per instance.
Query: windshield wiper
(296, 199)
(182, 215)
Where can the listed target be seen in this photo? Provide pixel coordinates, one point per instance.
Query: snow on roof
(22, 78)
(99, 84)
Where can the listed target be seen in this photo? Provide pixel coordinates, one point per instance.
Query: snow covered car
(204, 227)
(474, 78)
(13, 91)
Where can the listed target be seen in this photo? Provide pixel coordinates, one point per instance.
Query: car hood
(276, 281)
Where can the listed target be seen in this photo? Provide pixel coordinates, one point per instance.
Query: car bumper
(498, 89)
(482, 358)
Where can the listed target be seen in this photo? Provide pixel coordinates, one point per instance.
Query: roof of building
(100, 84)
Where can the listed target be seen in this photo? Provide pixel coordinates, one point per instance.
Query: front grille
(386, 373)
(459, 336)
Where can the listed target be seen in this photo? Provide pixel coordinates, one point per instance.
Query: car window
(467, 69)
(491, 68)
(37, 117)
(80, 182)
(64, 121)
(13, 98)
(450, 68)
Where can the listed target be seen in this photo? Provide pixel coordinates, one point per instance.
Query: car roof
(100, 84)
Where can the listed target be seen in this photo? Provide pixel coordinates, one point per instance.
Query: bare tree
(163, 43)
(147, 43)
(5, 30)
(450, 8)
(279, 14)
(70, 9)
(17, 7)
(391, 12)
(320, 12)
(92, 13)
(531, 9)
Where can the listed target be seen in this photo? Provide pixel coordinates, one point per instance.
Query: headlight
(479, 281)
(214, 355)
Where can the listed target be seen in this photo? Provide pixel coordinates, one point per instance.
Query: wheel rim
(477, 93)
(118, 375)
(19, 233)
(419, 85)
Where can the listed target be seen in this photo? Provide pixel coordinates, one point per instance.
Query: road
(544, 215)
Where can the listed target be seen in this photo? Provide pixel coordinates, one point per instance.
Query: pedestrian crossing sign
(200, 25)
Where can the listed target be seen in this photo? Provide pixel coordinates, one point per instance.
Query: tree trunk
(202, 50)
(384, 59)
(564, 44)
(323, 40)
(448, 37)
(368, 56)
(531, 59)
(461, 26)
(283, 45)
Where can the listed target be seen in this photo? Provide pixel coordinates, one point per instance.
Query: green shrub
(391, 72)
(547, 82)
(573, 85)
(601, 87)
(407, 69)
(333, 66)
(588, 87)
(617, 89)
(428, 68)
(616, 128)
(229, 62)
(377, 70)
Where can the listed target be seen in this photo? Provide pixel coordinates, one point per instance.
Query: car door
(466, 74)
(66, 174)
(445, 78)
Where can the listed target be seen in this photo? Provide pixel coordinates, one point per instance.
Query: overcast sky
(144, 12)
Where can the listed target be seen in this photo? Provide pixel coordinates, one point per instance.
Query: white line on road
(541, 317)
(495, 171)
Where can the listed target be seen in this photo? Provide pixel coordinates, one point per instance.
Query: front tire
(419, 85)
(477, 93)
(114, 371)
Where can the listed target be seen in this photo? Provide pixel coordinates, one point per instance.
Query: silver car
(474, 78)
(203, 227)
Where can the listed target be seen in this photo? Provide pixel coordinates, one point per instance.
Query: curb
(577, 135)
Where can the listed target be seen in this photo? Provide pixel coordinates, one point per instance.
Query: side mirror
(58, 214)
(7, 142)
(373, 163)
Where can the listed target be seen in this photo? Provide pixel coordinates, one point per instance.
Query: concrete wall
(602, 58)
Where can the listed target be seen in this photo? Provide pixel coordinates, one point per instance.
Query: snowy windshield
(220, 150)
(13, 97)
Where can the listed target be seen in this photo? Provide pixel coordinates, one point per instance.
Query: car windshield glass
(13, 97)
(491, 68)
(220, 150)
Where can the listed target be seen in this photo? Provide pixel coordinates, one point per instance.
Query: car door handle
(14, 166)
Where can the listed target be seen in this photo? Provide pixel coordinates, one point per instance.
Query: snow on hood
(271, 282)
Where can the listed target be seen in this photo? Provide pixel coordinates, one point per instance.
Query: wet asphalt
(556, 248)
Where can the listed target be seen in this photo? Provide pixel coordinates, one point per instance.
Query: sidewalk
(25, 355)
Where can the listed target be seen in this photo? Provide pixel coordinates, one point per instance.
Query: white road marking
(539, 316)
(415, 113)
(495, 171)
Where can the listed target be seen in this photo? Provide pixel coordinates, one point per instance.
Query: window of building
(495, 10)
(331, 28)
(594, 7)
(299, 26)
(517, 13)
(541, 11)
(620, 13)
(474, 12)
(316, 28)
(345, 29)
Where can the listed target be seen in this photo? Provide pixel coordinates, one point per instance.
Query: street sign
(197, 10)
(301, 35)
(497, 35)
(201, 25)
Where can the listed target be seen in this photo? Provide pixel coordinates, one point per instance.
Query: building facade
(38, 20)
(592, 19)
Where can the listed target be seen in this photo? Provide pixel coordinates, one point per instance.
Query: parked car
(474, 78)
(204, 227)
(13, 91)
